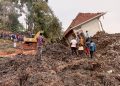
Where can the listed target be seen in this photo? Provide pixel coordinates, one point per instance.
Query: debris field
(57, 67)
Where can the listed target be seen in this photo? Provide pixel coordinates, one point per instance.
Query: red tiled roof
(82, 18)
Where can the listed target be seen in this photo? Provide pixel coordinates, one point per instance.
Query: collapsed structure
(84, 22)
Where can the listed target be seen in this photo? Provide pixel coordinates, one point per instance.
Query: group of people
(83, 45)
(11, 36)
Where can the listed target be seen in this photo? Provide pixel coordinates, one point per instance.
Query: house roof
(82, 18)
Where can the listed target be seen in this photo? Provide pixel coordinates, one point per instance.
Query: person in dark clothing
(92, 48)
(88, 38)
(40, 42)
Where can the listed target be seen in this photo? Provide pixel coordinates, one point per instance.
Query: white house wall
(92, 27)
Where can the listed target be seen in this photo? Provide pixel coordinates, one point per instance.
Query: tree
(39, 17)
(44, 19)
(10, 16)
(14, 24)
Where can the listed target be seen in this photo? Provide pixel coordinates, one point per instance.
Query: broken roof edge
(69, 29)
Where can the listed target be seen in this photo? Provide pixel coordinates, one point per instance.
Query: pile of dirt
(57, 67)
(108, 51)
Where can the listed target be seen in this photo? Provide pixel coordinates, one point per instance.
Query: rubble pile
(58, 51)
(110, 51)
(57, 67)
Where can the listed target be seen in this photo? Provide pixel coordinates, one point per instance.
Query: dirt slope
(59, 68)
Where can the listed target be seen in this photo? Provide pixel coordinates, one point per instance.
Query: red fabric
(87, 51)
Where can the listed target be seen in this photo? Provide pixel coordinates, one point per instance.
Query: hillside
(59, 68)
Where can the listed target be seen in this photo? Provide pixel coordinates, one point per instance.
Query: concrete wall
(92, 27)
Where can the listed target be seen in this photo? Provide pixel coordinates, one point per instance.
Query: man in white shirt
(73, 45)
(87, 35)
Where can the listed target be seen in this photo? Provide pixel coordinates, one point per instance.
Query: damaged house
(86, 22)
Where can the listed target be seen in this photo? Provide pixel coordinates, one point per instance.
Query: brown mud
(57, 67)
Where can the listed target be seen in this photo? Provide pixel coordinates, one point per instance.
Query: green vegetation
(42, 17)
(14, 24)
(9, 16)
(10, 51)
(6, 46)
(5, 41)
(39, 17)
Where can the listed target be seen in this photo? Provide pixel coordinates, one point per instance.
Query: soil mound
(57, 67)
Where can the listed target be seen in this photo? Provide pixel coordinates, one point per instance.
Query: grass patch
(5, 41)
(7, 46)
(10, 51)
(1, 58)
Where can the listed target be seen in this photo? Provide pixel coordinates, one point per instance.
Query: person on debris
(73, 45)
(82, 33)
(92, 48)
(81, 40)
(87, 36)
(87, 48)
(80, 50)
(78, 36)
(40, 42)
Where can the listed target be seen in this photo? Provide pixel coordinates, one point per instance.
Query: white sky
(67, 10)
(22, 18)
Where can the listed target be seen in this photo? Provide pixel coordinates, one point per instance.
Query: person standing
(14, 42)
(92, 48)
(81, 50)
(73, 45)
(82, 33)
(87, 48)
(78, 37)
(87, 36)
(40, 42)
(81, 41)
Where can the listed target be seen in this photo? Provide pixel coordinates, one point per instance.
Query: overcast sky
(67, 10)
